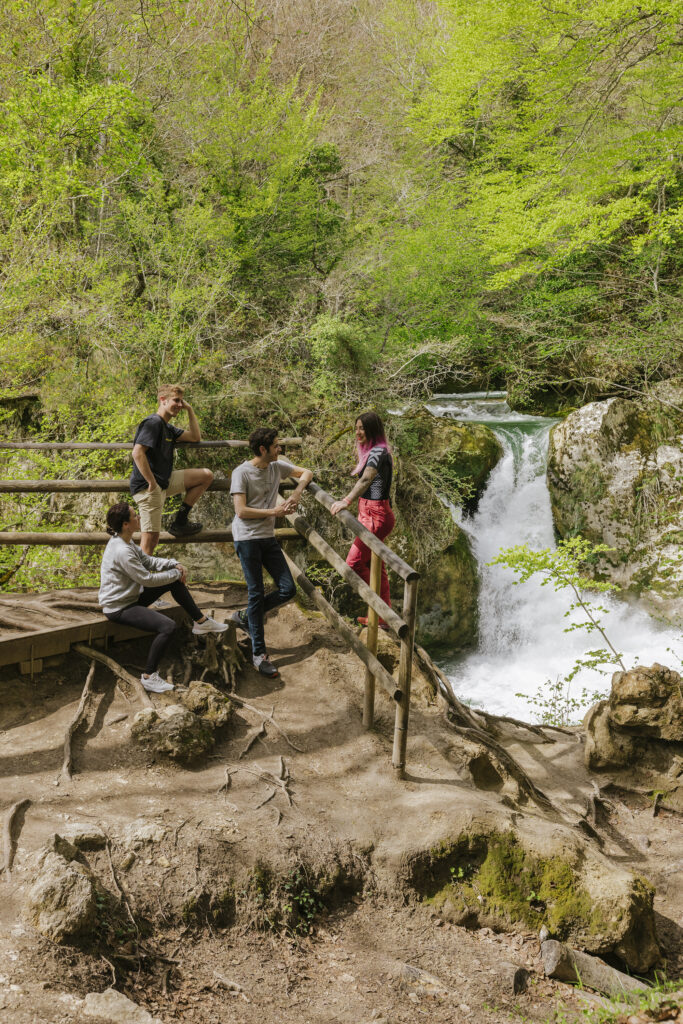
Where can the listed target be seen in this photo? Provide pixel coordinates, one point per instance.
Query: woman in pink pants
(374, 469)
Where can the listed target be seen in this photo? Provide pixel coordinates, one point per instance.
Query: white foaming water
(522, 642)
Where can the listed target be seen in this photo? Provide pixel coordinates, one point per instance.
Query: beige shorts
(150, 503)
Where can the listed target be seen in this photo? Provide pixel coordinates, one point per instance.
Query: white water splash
(522, 642)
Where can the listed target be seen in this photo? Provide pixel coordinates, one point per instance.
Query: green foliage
(566, 568)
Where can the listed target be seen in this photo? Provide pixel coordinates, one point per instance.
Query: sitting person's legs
(191, 483)
(149, 621)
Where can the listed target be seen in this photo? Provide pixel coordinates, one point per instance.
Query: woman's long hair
(374, 438)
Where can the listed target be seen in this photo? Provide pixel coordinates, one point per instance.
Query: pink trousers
(378, 518)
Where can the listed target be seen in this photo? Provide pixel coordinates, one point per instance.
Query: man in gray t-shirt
(254, 488)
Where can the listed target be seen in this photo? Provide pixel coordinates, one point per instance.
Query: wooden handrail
(396, 623)
(82, 539)
(45, 446)
(375, 666)
(394, 561)
(80, 486)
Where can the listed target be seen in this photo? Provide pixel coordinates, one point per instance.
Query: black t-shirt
(160, 439)
(380, 488)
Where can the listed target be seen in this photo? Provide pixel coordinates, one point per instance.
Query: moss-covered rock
(458, 457)
(174, 732)
(614, 472)
(62, 901)
(506, 878)
(208, 702)
(449, 592)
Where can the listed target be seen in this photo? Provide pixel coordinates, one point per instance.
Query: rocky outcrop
(61, 903)
(459, 456)
(638, 731)
(534, 877)
(174, 732)
(205, 700)
(614, 472)
(449, 597)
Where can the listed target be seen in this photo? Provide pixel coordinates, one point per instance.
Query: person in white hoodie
(130, 581)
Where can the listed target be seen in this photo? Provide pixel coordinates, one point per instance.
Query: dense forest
(297, 209)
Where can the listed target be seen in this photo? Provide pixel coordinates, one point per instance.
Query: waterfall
(522, 638)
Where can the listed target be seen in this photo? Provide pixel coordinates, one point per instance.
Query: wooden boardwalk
(37, 626)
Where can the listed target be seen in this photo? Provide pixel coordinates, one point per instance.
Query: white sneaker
(160, 603)
(209, 625)
(155, 683)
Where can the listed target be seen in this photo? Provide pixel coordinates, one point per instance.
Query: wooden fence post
(405, 674)
(371, 644)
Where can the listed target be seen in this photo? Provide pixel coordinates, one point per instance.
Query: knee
(169, 627)
(288, 590)
(208, 476)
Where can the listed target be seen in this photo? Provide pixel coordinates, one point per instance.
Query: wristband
(346, 501)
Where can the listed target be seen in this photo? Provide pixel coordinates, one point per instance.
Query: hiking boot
(265, 667)
(155, 683)
(185, 529)
(240, 620)
(209, 625)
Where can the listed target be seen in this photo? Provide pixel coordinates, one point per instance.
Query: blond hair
(170, 391)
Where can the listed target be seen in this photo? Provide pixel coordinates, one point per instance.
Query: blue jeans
(255, 556)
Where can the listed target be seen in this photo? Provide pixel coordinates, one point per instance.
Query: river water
(522, 638)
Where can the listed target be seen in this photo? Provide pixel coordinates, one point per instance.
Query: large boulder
(449, 597)
(174, 732)
(62, 901)
(534, 875)
(648, 702)
(458, 455)
(614, 471)
(208, 702)
(638, 732)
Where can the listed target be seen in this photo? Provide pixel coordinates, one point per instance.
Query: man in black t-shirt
(153, 478)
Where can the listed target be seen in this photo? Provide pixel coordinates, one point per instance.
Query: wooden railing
(401, 626)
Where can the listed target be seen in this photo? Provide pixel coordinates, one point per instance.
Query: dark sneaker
(185, 529)
(239, 619)
(265, 667)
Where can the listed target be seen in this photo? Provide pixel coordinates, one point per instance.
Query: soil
(344, 962)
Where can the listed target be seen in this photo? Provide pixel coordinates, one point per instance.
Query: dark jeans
(143, 617)
(255, 556)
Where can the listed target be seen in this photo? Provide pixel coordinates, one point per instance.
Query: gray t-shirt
(259, 487)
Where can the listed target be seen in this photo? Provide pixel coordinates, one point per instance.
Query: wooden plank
(46, 446)
(57, 540)
(401, 568)
(27, 668)
(376, 667)
(54, 640)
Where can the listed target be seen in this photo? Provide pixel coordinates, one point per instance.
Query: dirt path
(183, 829)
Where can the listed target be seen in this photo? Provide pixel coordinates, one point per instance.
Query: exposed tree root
(277, 783)
(118, 670)
(256, 735)
(471, 717)
(211, 656)
(76, 722)
(269, 718)
(464, 721)
(9, 840)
